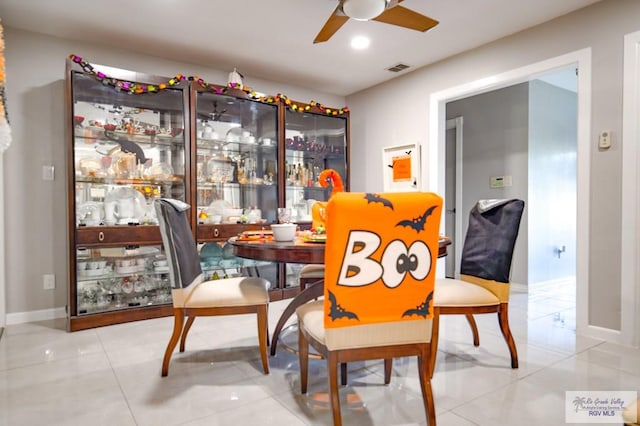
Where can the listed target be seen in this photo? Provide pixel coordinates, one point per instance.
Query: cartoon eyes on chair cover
(390, 246)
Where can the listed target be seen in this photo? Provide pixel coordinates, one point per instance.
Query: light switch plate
(48, 172)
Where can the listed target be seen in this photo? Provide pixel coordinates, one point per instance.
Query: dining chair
(631, 414)
(485, 266)
(193, 296)
(310, 274)
(380, 261)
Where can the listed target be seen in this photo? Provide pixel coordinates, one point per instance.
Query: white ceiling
(273, 39)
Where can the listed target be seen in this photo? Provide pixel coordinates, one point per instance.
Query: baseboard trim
(555, 281)
(600, 333)
(519, 288)
(31, 316)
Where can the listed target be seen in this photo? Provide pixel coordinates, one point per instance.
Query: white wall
(35, 211)
(398, 112)
(552, 182)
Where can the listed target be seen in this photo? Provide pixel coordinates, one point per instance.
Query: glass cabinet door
(313, 143)
(116, 278)
(236, 160)
(128, 149)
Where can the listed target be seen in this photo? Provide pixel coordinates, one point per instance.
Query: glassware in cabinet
(314, 141)
(127, 151)
(236, 157)
(118, 278)
(218, 261)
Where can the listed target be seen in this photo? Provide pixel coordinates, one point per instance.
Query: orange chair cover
(380, 257)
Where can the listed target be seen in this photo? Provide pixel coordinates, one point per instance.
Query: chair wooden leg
(425, 386)
(267, 326)
(187, 327)
(303, 355)
(388, 366)
(343, 373)
(503, 319)
(474, 329)
(332, 368)
(435, 331)
(262, 337)
(178, 321)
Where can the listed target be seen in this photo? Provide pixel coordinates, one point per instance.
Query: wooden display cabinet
(133, 138)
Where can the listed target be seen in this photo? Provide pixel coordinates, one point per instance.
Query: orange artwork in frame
(401, 168)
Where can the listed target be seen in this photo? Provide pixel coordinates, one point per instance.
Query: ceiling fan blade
(333, 24)
(406, 18)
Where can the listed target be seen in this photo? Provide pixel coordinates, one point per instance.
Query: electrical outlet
(48, 281)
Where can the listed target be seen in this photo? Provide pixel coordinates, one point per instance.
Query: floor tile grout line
(115, 376)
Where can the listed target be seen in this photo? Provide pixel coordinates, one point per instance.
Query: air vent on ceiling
(398, 68)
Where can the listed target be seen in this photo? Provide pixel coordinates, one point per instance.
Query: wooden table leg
(312, 291)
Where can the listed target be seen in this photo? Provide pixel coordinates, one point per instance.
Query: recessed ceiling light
(360, 42)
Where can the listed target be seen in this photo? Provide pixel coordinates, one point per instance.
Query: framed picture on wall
(401, 168)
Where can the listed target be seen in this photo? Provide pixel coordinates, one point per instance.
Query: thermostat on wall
(500, 181)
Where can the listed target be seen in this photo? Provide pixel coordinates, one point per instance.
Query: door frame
(437, 135)
(629, 262)
(457, 123)
(3, 269)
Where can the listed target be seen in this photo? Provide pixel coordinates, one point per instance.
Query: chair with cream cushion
(192, 295)
(380, 260)
(310, 274)
(485, 265)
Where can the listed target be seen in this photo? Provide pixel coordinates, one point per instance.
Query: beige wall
(35, 232)
(398, 112)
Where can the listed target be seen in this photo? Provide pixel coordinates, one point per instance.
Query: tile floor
(111, 375)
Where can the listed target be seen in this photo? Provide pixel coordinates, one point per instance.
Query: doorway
(437, 150)
(519, 142)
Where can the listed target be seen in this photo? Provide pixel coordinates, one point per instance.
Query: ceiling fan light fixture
(363, 10)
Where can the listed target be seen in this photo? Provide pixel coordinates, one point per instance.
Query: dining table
(265, 248)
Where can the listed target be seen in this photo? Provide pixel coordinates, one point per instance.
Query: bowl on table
(284, 231)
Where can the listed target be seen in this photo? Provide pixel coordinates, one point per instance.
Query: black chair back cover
(179, 244)
(491, 238)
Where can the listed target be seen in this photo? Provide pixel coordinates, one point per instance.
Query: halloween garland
(139, 88)
(5, 130)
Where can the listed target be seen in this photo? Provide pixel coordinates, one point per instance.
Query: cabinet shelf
(248, 185)
(175, 180)
(217, 144)
(84, 134)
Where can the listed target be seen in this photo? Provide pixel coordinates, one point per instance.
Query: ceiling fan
(215, 115)
(387, 11)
